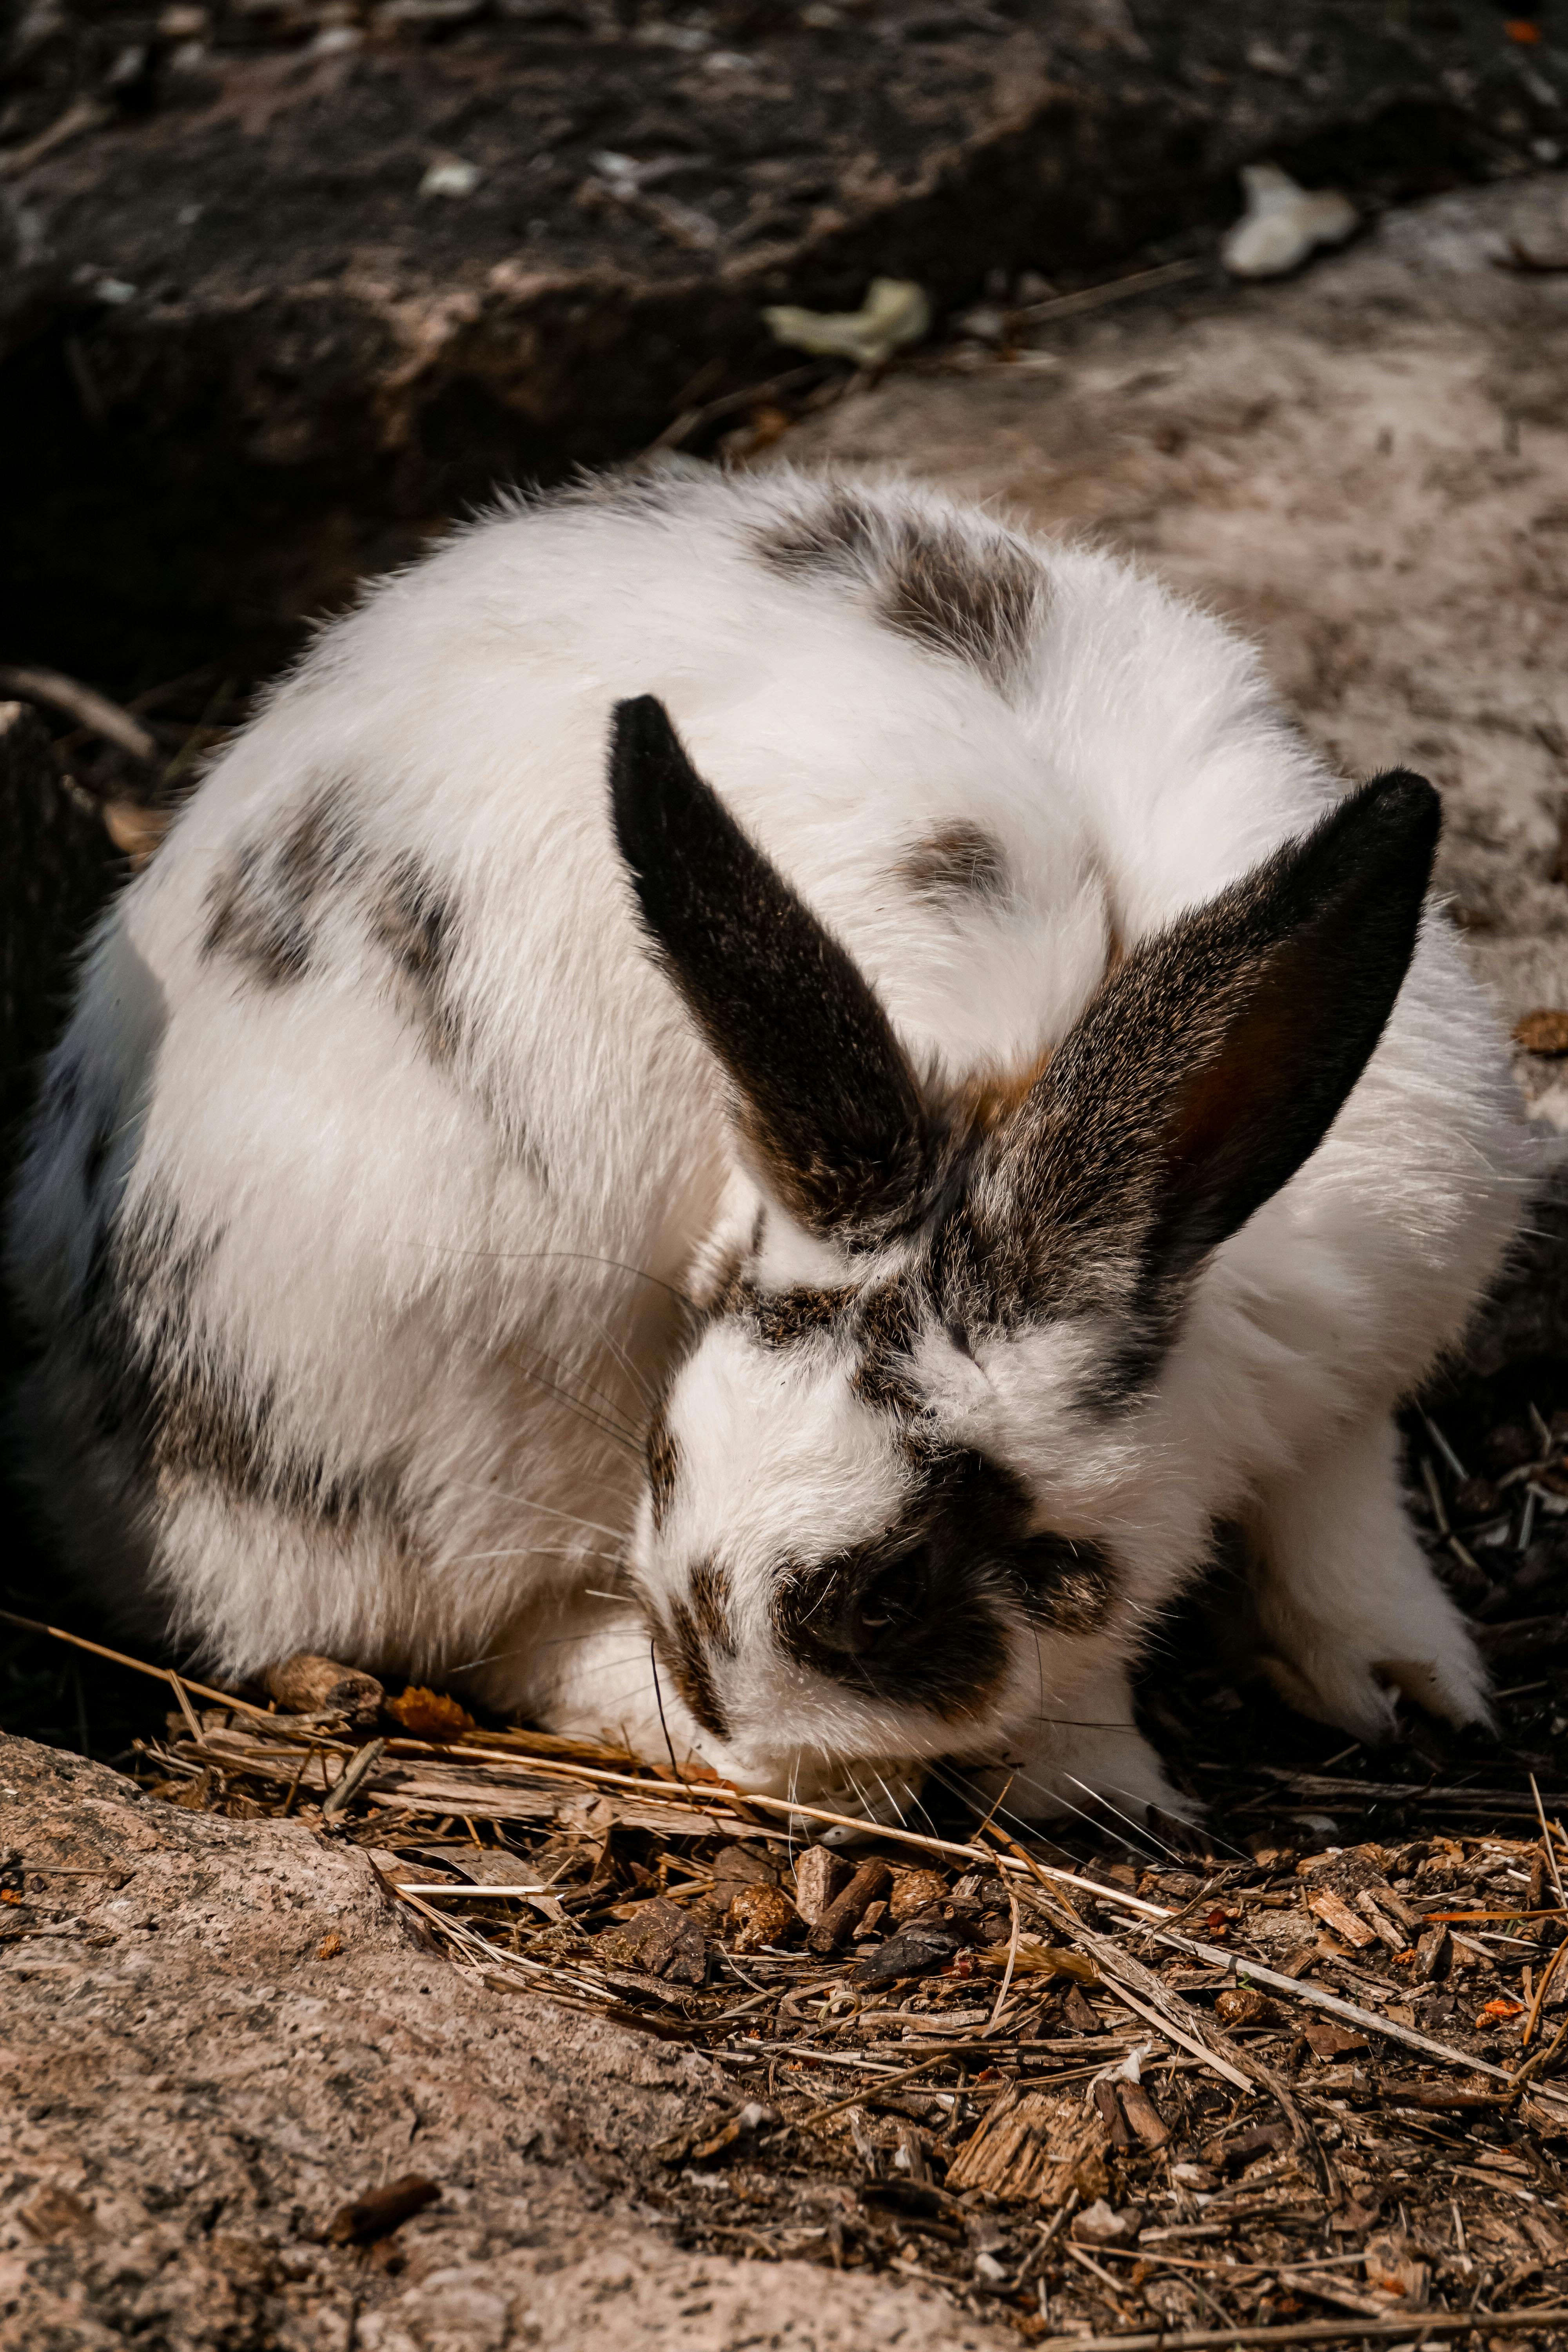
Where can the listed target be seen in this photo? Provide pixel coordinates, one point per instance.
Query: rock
(660, 1939)
(283, 365)
(1101, 2225)
(918, 1949)
(191, 2099)
(915, 1890)
(1283, 223)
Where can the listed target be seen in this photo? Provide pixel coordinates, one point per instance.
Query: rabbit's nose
(881, 1609)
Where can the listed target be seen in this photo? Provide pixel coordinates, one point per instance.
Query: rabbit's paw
(1074, 1770)
(1351, 1673)
(875, 1796)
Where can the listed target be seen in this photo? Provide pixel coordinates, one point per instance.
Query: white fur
(406, 1253)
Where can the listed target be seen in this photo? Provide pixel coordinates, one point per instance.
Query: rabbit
(737, 1120)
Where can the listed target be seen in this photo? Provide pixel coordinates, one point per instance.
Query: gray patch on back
(412, 917)
(971, 595)
(172, 1407)
(957, 861)
(264, 910)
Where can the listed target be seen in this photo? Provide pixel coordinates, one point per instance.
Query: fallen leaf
(429, 1715)
(1326, 2041)
(895, 313)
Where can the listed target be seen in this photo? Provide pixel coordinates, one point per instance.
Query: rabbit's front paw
(1080, 1770)
(874, 1796)
(1351, 1674)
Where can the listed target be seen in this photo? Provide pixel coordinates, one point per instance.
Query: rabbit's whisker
(608, 1411)
(1098, 1796)
(526, 1503)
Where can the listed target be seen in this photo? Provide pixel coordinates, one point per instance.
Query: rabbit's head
(895, 1485)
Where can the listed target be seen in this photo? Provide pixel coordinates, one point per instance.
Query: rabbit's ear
(1209, 1066)
(826, 1095)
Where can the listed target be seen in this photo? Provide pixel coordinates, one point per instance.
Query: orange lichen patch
(1521, 29)
(430, 1714)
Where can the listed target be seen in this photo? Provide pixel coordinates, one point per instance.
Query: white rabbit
(796, 1264)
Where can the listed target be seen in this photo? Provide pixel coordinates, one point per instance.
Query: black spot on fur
(783, 1317)
(663, 1464)
(827, 1096)
(1067, 1582)
(957, 861)
(177, 1408)
(264, 908)
(921, 1614)
(1203, 1075)
(957, 589)
(94, 1158)
(710, 1606)
(686, 1659)
(413, 920)
(889, 1324)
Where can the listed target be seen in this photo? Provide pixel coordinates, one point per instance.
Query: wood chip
(1337, 1913)
(380, 2211)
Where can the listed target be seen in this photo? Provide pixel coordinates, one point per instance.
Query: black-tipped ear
(1317, 945)
(1210, 1066)
(827, 1096)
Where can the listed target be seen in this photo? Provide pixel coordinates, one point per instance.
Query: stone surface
(190, 2093)
(258, 333)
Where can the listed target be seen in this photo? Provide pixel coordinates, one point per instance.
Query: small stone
(1283, 223)
(1242, 2005)
(1194, 2177)
(456, 179)
(1101, 2225)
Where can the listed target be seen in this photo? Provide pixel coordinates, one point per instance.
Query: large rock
(242, 357)
(216, 2033)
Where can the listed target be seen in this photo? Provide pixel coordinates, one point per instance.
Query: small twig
(1444, 1449)
(1541, 2059)
(884, 2083)
(193, 1721)
(683, 426)
(1115, 290)
(138, 1666)
(1008, 1972)
(84, 704)
(357, 1770)
(1413, 2325)
(1547, 1848)
(1348, 2010)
